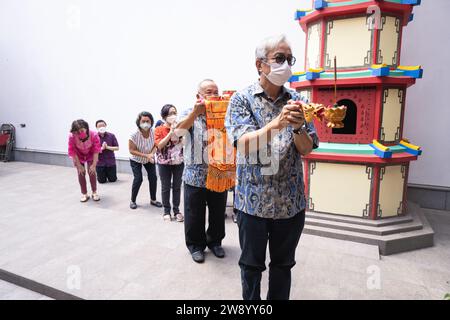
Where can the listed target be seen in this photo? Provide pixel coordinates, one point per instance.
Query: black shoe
(156, 204)
(133, 205)
(198, 256)
(218, 251)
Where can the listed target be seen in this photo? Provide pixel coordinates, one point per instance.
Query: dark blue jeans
(283, 237)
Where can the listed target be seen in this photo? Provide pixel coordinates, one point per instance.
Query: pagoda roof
(366, 153)
(403, 75)
(332, 8)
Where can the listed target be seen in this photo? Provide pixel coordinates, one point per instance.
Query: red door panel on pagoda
(359, 122)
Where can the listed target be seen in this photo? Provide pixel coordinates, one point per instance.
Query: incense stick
(335, 81)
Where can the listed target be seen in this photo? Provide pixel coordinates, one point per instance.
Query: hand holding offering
(296, 116)
(334, 115)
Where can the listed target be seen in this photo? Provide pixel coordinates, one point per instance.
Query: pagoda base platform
(394, 235)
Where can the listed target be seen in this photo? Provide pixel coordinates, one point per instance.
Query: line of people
(263, 119)
(93, 153)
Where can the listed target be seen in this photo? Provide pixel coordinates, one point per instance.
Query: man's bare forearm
(187, 122)
(303, 143)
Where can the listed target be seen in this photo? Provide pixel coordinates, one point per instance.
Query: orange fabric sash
(221, 154)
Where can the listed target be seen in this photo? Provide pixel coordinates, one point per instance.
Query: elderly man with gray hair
(196, 196)
(264, 119)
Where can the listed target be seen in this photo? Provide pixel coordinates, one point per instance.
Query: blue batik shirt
(195, 152)
(265, 188)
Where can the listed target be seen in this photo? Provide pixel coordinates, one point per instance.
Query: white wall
(66, 59)
(427, 42)
(62, 60)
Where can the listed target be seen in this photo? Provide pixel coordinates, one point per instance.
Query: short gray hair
(269, 44)
(200, 85)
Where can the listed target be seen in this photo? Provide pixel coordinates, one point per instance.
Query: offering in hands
(333, 115)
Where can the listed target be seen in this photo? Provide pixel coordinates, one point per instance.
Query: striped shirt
(144, 145)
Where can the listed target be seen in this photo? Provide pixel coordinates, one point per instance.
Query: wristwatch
(300, 130)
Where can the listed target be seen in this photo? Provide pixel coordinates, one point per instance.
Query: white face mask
(279, 73)
(102, 129)
(145, 126)
(172, 119)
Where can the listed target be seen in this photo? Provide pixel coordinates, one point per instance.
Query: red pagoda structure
(356, 182)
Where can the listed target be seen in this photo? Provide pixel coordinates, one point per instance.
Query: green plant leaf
(447, 296)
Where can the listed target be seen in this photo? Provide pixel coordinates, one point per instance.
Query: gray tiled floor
(49, 236)
(9, 291)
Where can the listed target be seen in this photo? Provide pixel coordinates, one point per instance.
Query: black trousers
(195, 202)
(106, 174)
(283, 237)
(171, 177)
(137, 181)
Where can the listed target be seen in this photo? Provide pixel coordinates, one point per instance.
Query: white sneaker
(84, 198)
(95, 196)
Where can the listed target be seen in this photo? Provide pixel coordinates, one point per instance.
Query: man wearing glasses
(264, 120)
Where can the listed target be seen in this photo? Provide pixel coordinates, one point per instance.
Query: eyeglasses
(281, 58)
